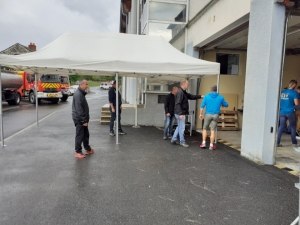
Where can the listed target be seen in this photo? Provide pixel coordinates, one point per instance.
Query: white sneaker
(297, 149)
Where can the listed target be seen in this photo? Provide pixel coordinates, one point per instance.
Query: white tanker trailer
(11, 82)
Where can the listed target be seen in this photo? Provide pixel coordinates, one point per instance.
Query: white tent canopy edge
(79, 53)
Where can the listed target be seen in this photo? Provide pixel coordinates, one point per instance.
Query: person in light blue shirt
(288, 101)
(213, 102)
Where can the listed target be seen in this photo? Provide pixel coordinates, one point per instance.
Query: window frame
(168, 21)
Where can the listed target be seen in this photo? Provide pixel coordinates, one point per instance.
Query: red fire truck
(48, 87)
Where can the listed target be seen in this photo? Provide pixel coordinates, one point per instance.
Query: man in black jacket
(181, 110)
(112, 108)
(169, 111)
(81, 117)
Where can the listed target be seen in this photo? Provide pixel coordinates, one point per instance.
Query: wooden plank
(228, 124)
(228, 129)
(228, 112)
(229, 117)
(231, 120)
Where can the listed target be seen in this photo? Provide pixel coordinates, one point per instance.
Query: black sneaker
(112, 133)
(183, 144)
(297, 133)
(121, 132)
(175, 142)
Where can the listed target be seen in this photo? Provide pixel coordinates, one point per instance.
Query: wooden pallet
(105, 116)
(228, 120)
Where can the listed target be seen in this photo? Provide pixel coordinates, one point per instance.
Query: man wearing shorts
(213, 102)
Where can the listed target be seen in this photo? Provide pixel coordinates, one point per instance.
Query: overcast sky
(42, 21)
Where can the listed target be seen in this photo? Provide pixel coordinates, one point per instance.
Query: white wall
(196, 6)
(221, 15)
(179, 42)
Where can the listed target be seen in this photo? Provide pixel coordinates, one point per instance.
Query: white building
(247, 37)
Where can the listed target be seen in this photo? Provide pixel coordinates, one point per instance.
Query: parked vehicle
(105, 86)
(11, 82)
(72, 89)
(65, 86)
(48, 87)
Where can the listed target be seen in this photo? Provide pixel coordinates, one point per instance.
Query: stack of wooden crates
(105, 115)
(228, 120)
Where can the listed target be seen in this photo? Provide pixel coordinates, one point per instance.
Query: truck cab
(48, 87)
(65, 86)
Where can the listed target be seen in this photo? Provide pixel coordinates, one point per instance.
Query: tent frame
(117, 108)
(169, 65)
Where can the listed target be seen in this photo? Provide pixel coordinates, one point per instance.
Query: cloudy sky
(41, 21)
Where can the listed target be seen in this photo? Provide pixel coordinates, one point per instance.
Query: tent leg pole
(191, 125)
(36, 101)
(117, 108)
(218, 90)
(136, 103)
(1, 116)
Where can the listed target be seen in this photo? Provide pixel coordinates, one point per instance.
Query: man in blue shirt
(212, 101)
(289, 99)
(297, 108)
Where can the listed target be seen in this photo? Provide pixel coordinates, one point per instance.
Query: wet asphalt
(143, 180)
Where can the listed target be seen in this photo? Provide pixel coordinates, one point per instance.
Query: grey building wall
(262, 80)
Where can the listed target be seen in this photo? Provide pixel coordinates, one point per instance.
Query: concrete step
(105, 116)
(105, 119)
(103, 113)
(104, 122)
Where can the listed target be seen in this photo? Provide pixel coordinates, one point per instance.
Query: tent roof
(105, 54)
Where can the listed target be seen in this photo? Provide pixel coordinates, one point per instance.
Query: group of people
(177, 106)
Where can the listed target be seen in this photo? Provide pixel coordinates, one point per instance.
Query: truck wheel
(16, 100)
(32, 97)
(55, 100)
(64, 98)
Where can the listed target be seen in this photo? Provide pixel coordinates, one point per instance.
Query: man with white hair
(213, 102)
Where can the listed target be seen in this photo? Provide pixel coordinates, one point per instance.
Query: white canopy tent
(78, 53)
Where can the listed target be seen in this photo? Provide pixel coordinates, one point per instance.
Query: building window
(156, 87)
(167, 12)
(167, 31)
(229, 63)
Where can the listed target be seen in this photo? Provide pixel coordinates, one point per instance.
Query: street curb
(289, 170)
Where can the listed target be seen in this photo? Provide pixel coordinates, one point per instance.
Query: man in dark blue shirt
(169, 111)
(297, 108)
(112, 108)
(289, 99)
